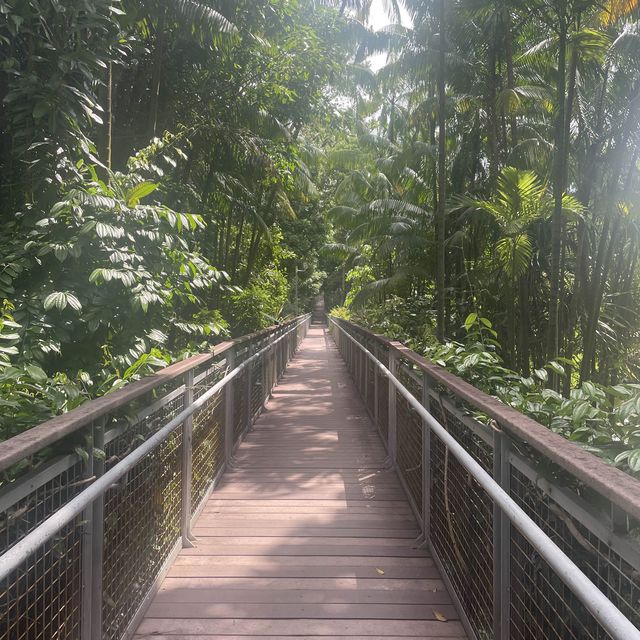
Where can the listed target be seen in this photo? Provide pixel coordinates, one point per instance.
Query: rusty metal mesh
(257, 386)
(409, 439)
(42, 599)
(371, 383)
(542, 606)
(462, 521)
(141, 519)
(207, 446)
(240, 405)
(383, 407)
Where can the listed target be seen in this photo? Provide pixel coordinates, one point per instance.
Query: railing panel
(141, 527)
(43, 598)
(503, 586)
(541, 606)
(462, 522)
(409, 442)
(208, 447)
(90, 574)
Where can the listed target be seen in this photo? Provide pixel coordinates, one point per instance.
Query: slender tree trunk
(236, 252)
(511, 81)
(158, 57)
(442, 180)
(524, 324)
(553, 335)
(109, 116)
(492, 133)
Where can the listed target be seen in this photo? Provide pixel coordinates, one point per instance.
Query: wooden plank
(309, 536)
(307, 520)
(330, 627)
(188, 557)
(194, 570)
(323, 611)
(293, 542)
(398, 585)
(247, 595)
(208, 546)
(181, 636)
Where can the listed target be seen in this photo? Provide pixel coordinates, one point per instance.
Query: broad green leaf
(138, 192)
(469, 322)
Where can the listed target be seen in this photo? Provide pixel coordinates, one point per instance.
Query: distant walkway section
(309, 536)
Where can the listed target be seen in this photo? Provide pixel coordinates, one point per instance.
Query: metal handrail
(46, 433)
(21, 551)
(611, 482)
(601, 607)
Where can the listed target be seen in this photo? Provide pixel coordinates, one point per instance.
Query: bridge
(311, 481)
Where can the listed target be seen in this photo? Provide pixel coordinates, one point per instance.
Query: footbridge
(311, 481)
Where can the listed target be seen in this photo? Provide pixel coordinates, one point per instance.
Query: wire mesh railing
(536, 538)
(88, 531)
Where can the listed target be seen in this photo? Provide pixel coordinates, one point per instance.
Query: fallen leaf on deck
(439, 615)
(380, 571)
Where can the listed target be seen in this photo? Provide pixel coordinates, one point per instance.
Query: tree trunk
(442, 181)
(553, 336)
(158, 56)
(511, 81)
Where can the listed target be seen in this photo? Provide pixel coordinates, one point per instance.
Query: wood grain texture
(308, 536)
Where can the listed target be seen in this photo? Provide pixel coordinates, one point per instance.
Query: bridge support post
(501, 541)
(273, 376)
(365, 375)
(392, 436)
(426, 462)
(247, 391)
(363, 372)
(186, 465)
(97, 537)
(229, 411)
(376, 391)
(87, 545)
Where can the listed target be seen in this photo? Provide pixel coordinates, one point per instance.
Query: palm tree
(520, 201)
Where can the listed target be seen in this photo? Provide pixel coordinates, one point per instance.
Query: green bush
(259, 304)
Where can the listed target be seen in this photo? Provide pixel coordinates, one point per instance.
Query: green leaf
(556, 368)
(58, 299)
(542, 374)
(73, 302)
(36, 373)
(138, 192)
(581, 411)
(469, 322)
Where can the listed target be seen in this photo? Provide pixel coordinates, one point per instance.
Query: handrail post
(228, 410)
(273, 364)
(87, 546)
(187, 464)
(376, 391)
(426, 461)
(365, 361)
(97, 546)
(501, 541)
(392, 433)
(356, 363)
(248, 389)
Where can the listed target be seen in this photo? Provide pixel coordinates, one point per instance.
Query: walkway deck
(309, 536)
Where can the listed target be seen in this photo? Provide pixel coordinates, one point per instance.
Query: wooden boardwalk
(309, 536)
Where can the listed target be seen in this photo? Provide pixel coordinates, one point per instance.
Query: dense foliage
(156, 184)
(490, 170)
(177, 171)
